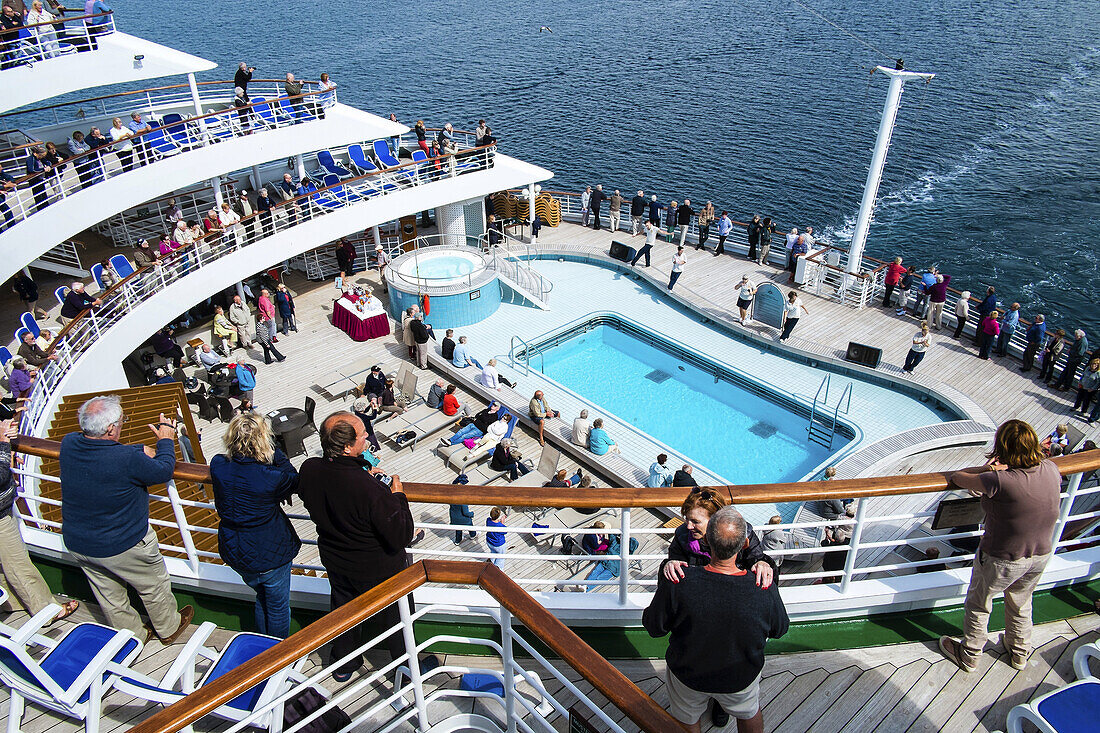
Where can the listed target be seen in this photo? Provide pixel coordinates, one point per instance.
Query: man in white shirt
(651, 232)
(678, 262)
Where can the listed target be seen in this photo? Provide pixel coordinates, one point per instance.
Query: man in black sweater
(637, 212)
(719, 621)
(598, 197)
(363, 528)
(683, 477)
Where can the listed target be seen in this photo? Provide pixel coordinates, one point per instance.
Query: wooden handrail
(635, 497)
(95, 152)
(603, 676)
(136, 92)
(289, 202)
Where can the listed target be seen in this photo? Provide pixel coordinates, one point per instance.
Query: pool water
(732, 432)
(438, 268)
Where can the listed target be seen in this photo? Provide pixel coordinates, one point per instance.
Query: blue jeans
(497, 550)
(470, 431)
(272, 600)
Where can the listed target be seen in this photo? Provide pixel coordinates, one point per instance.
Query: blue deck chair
(221, 127)
(322, 199)
(19, 334)
(5, 357)
(27, 319)
(73, 676)
(179, 680)
(271, 116)
(1074, 708)
(382, 152)
(159, 143)
(97, 273)
(359, 159)
(345, 193)
(174, 125)
(60, 294)
(122, 266)
(329, 165)
(301, 113)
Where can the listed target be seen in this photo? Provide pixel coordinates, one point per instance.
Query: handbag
(308, 701)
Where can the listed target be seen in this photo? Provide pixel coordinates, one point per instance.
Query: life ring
(426, 304)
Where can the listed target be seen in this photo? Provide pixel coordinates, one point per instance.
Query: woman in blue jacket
(255, 537)
(599, 442)
(284, 301)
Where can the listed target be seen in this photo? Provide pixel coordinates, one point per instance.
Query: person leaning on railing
(255, 537)
(363, 527)
(1019, 492)
(105, 517)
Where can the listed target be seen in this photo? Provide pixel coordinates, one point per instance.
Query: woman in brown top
(1019, 490)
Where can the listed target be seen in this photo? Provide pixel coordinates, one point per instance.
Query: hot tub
(460, 286)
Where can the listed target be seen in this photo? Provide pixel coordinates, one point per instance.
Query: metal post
(624, 555)
(509, 669)
(857, 531)
(300, 165)
(878, 162)
(256, 184)
(185, 529)
(216, 184)
(415, 677)
(205, 139)
(1067, 505)
(240, 290)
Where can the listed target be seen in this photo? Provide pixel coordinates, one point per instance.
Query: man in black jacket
(420, 342)
(719, 621)
(598, 197)
(363, 528)
(637, 211)
(683, 477)
(243, 76)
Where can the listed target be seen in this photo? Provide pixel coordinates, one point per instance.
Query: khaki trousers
(1017, 579)
(143, 568)
(18, 573)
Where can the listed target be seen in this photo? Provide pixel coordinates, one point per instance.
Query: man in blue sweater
(719, 621)
(105, 517)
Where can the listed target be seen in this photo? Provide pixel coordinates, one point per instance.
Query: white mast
(878, 161)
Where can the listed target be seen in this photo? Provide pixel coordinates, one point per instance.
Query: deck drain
(658, 376)
(764, 430)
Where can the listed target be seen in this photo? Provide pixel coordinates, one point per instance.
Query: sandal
(67, 609)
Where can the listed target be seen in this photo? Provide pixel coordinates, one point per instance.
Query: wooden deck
(889, 689)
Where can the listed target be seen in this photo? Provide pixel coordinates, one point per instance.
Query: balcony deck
(886, 689)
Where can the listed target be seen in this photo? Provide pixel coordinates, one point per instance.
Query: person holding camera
(363, 527)
(243, 76)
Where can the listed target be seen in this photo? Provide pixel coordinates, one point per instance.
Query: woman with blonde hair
(255, 537)
(1020, 491)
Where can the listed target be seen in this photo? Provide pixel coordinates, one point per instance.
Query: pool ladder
(822, 428)
(528, 354)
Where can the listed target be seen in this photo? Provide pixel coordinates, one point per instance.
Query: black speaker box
(621, 252)
(868, 356)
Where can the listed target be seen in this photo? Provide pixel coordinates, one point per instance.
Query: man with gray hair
(719, 621)
(105, 517)
(581, 429)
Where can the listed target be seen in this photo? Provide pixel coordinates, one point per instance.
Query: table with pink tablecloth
(360, 326)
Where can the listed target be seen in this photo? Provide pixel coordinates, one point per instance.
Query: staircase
(509, 259)
(63, 259)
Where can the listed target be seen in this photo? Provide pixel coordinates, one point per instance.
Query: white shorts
(688, 705)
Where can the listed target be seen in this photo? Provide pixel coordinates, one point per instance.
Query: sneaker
(1018, 661)
(953, 651)
(457, 542)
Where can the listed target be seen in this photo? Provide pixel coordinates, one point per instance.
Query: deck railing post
(415, 677)
(624, 556)
(509, 669)
(185, 528)
(857, 532)
(1067, 506)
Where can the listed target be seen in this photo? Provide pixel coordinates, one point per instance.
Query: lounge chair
(461, 458)
(222, 127)
(160, 144)
(27, 319)
(72, 677)
(179, 680)
(300, 113)
(360, 161)
(270, 116)
(544, 471)
(332, 182)
(122, 266)
(28, 632)
(176, 128)
(329, 165)
(1074, 707)
(19, 334)
(97, 275)
(385, 157)
(60, 294)
(423, 427)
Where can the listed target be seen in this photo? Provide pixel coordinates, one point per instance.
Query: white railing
(512, 257)
(170, 137)
(880, 536)
(119, 301)
(149, 221)
(59, 37)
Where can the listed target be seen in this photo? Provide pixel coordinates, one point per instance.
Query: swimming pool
(736, 429)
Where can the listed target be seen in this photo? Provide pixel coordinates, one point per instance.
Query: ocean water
(730, 431)
(759, 105)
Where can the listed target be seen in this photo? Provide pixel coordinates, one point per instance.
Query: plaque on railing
(767, 306)
(955, 513)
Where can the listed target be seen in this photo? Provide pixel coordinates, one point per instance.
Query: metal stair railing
(512, 264)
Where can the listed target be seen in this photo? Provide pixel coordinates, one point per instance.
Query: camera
(384, 478)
